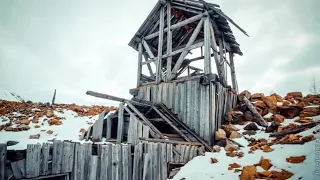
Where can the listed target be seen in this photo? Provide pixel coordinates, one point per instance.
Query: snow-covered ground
(69, 130)
(200, 168)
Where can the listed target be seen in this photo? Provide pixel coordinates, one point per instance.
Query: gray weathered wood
(184, 53)
(88, 133)
(169, 153)
(87, 159)
(33, 160)
(192, 152)
(153, 130)
(233, 73)
(189, 106)
(160, 44)
(177, 25)
(182, 153)
(67, 157)
(207, 45)
(97, 128)
(106, 154)
(114, 98)
(255, 113)
(116, 162)
(176, 157)
(207, 115)
(137, 163)
(18, 168)
(3, 160)
(202, 111)
(109, 125)
(57, 156)
(120, 123)
(155, 161)
(196, 100)
(171, 141)
(183, 102)
(44, 168)
(186, 154)
(222, 65)
(213, 110)
(93, 166)
(145, 133)
(163, 161)
(148, 50)
(139, 64)
(146, 167)
(125, 162)
(169, 42)
(79, 161)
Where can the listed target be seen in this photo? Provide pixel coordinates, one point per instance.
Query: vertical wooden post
(169, 42)
(120, 123)
(215, 50)
(221, 63)
(233, 73)
(159, 60)
(3, 159)
(207, 45)
(139, 64)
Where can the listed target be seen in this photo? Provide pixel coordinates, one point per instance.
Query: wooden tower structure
(172, 30)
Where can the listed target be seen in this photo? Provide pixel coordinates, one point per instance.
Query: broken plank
(172, 141)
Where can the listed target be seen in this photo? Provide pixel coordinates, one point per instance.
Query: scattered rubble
(37, 136)
(295, 159)
(213, 160)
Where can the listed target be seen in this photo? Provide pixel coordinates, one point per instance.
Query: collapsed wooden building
(174, 111)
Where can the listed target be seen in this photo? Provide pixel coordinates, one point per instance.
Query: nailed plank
(139, 131)
(120, 123)
(213, 110)
(109, 125)
(88, 157)
(164, 95)
(159, 93)
(116, 162)
(33, 160)
(145, 133)
(137, 162)
(186, 154)
(207, 115)
(146, 167)
(196, 101)
(140, 50)
(57, 156)
(3, 160)
(176, 96)
(202, 111)
(176, 157)
(160, 45)
(125, 162)
(207, 45)
(132, 123)
(79, 161)
(93, 166)
(163, 161)
(182, 153)
(192, 152)
(44, 159)
(106, 162)
(97, 128)
(155, 161)
(18, 168)
(189, 106)
(183, 101)
(170, 96)
(148, 93)
(67, 157)
(169, 153)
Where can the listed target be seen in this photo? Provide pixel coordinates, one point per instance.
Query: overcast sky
(77, 45)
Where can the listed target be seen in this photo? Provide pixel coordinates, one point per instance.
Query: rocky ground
(285, 149)
(22, 122)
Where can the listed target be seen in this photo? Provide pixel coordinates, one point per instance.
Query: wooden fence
(99, 161)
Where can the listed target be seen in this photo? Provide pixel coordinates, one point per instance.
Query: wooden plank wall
(113, 161)
(200, 107)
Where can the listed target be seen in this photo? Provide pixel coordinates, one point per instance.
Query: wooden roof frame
(174, 28)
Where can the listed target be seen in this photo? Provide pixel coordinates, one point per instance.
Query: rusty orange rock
(296, 159)
(248, 173)
(49, 132)
(213, 160)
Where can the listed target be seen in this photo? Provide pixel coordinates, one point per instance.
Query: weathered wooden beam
(148, 65)
(221, 64)
(98, 128)
(147, 48)
(160, 44)
(207, 45)
(233, 73)
(171, 141)
(214, 48)
(295, 130)
(185, 52)
(177, 25)
(169, 42)
(3, 160)
(120, 123)
(186, 9)
(170, 123)
(114, 98)
(255, 113)
(139, 64)
(142, 117)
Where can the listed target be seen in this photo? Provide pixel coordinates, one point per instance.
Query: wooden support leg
(233, 73)
(169, 42)
(139, 64)
(159, 60)
(207, 46)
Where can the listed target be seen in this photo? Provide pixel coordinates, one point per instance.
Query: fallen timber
(295, 130)
(159, 109)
